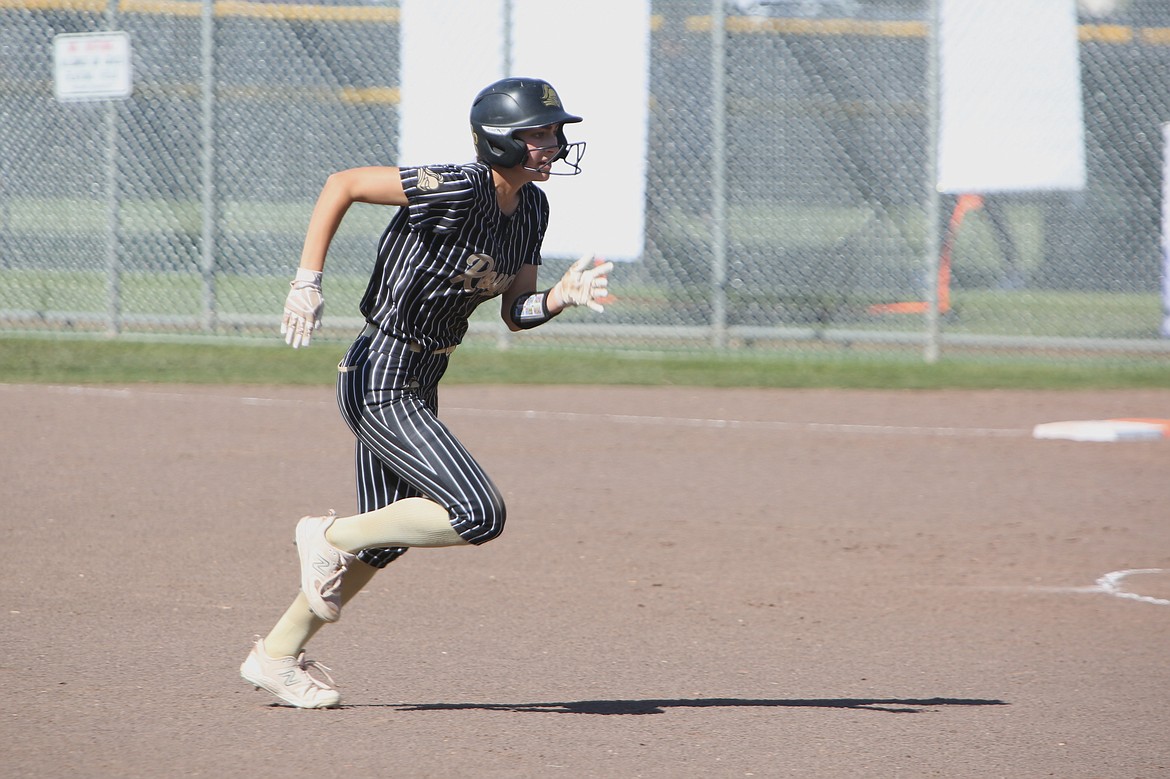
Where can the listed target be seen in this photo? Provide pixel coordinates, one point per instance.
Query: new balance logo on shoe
(323, 565)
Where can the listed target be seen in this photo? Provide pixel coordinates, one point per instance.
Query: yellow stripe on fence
(222, 8)
(1157, 36)
(282, 93)
(1105, 33)
(286, 93)
(754, 25)
(373, 95)
(87, 6)
(160, 7)
(743, 25)
(298, 12)
(748, 25)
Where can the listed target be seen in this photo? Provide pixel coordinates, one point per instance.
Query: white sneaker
(288, 678)
(322, 566)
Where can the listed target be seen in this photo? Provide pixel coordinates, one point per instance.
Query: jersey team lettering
(481, 277)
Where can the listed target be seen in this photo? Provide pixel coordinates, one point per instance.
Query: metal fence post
(113, 205)
(718, 178)
(209, 212)
(932, 242)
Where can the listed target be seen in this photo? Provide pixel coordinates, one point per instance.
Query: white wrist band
(308, 277)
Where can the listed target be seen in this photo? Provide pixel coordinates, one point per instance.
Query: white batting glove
(585, 284)
(302, 308)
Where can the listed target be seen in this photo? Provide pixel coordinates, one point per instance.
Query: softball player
(462, 234)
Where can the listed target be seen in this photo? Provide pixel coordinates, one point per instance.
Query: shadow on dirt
(652, 706)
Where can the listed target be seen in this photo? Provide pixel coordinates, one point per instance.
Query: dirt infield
(693, 583)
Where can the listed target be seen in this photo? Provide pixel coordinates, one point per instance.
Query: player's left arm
(521, 305)
(585, 283)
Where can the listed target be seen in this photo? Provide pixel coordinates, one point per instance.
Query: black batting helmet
(512, 104)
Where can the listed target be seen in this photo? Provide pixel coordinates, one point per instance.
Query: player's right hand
(302, 309)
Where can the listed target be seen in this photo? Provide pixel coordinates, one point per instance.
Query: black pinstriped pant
(389, 399)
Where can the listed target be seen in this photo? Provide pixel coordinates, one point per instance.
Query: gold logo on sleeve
(428, 180)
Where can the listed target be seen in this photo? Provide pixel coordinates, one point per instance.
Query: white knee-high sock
(408, 522)
(298, 624)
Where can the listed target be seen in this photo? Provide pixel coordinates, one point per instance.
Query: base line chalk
(1110, 584)
(570, 416)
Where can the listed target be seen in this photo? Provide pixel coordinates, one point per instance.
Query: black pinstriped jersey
(448, 251)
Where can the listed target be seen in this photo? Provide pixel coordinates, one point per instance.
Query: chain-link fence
(787, 187)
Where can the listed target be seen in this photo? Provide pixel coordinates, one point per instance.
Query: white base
(1107, 430)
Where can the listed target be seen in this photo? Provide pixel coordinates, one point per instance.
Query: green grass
(1055, 314)
(118, 361)
(980, 308)
(174, 302)
(976, 312)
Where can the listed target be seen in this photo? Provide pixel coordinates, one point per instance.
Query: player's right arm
(305, 302)
(377, 185)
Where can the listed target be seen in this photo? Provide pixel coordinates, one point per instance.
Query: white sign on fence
(92, 66)
(1010, 117)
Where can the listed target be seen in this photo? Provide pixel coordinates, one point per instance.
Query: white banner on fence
(450, 49)
(595, 54)
(1166, 231)
(1010, 108)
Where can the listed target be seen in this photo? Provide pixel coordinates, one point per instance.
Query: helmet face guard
(512, 104)
(568, 153)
